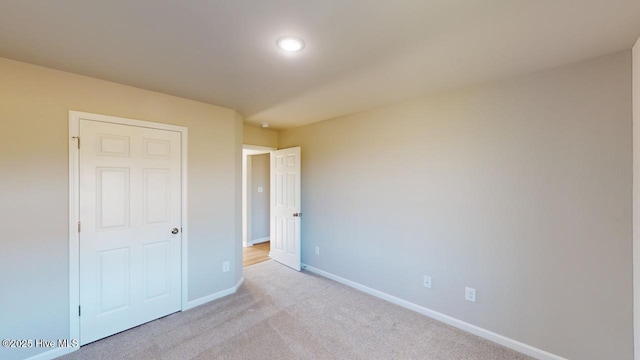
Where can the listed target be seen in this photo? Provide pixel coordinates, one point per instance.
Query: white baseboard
(238, 284)
(255, 241)
(51, 354)
(483, 333)
(260, 240)
(215, 296)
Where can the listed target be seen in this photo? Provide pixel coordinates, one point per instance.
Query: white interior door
(285, 207)
(130, 238)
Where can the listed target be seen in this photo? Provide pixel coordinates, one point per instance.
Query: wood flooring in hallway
(255, 254)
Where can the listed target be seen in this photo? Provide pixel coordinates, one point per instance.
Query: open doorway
(256, 165)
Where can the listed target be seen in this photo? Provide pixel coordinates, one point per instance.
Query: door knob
(297, 214)
(175, 231)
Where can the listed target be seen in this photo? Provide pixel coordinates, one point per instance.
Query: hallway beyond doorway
(255, 254)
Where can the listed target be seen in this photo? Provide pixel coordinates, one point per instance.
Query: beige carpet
(282, 314)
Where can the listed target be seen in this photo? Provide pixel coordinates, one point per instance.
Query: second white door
(285, 207)
(130, 238)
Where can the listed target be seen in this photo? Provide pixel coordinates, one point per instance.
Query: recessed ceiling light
(290, 43)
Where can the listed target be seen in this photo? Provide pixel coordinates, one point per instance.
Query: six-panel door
(285, 207)
(129, 204)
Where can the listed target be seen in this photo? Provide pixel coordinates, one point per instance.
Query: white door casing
(247, 152)
(129, 197)
(285, 207)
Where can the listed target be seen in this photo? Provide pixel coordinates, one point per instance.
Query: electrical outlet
(470, 294)
(317, 250)
(426, 280)
(225, 266)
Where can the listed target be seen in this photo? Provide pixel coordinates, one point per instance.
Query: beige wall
(34, 105)
(260, 206)
(261, 137)
(236, 265)
(520, 189)
(636, 194)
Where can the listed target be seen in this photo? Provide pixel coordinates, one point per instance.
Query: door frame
(74, 208)
(247, 151)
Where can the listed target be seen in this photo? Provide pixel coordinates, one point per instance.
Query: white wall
(34, 260)
(520, 189)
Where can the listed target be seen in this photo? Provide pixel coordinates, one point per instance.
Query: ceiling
(359, 54)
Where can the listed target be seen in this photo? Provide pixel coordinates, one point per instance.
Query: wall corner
(636, 196)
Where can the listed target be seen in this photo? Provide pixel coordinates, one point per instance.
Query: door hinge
(77, 137)
(79, 310)
(79, 226)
